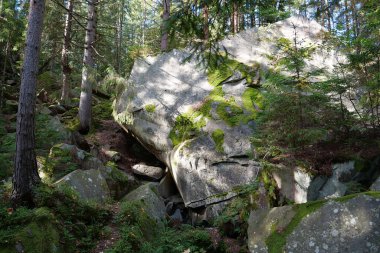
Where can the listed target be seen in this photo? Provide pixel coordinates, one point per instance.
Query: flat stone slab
(152, 172)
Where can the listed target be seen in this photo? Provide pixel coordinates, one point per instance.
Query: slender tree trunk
(143, 23)
(206, 32)
(235, 17)
(347, 19)
(165, 18)
(119, 35)
(66, 70)
(88, 72)
(25, 172)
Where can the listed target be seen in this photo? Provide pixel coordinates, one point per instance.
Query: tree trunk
(88, 72)
(235, 17)
(165, 18)
(206, 32)
(143, 23)
(119, 36)
(66, 70)
(347, 19)
(25, 172)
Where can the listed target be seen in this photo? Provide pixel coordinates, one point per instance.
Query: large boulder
(330, 226)
(199, 121)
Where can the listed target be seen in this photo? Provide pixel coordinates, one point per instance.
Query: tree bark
(88, 71)
(119, 36)
(25, 174)
(66, 70)
(165, 18)
(206, 32)
(235, 17)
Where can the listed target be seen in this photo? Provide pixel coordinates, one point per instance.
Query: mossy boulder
(203, 117)
(39, 234)
(89, 185)
(348, 223)
(152, 203)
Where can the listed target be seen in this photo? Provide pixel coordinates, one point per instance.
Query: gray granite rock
(164, 87)
(147, 194)
(341, 225)
(90, 185)
(152, 172)
(261, 223)
(351, 226)
(376, 185)
(293, 183)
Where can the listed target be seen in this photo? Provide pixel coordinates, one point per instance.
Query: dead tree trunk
(165, 18)
(25, 172)
(66, 70)
(88, 71)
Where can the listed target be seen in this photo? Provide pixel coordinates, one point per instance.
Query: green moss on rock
(151, 108)
(218, 137)
(187, 126)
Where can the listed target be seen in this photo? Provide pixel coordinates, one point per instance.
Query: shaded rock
(261, 223)
(376, 185)
(42, 96)
(176, 217)
(293, 183)
(351, 226)
(57, 109)
(155, 206)
(119, 182)
(147, 171)
(90, 185)
(334, 186)
(205, 215)
(167, 186)
(78, 140)
(10, 107)
(40, 235)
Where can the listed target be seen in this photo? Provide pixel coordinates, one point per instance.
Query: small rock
(57, 109)
(151, 172)
(177, 216)
(112, 155)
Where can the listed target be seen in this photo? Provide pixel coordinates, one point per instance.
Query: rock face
(199, 122)
(293, 183)
(336, 226)
(376, 185)
(253, 45)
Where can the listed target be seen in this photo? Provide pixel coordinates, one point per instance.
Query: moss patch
(218, 137)
(187, 126)
(277, 240)
(151, 108)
